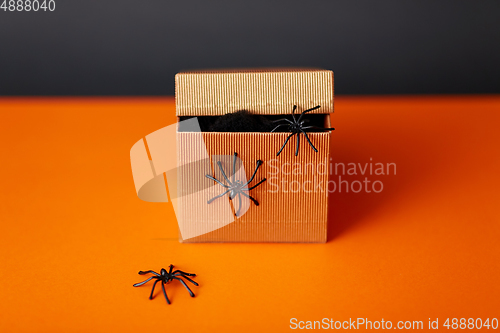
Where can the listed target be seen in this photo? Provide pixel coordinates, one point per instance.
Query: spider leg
(259, 163)
(153, 289)
(274, 129)
(185, 285)
(308, 110)
(310, 143)
(288, 120)
(217, 197)
(188, 274)
(249, 197)
(171, 268)
(182, 275)
(146, 272)
(239, 204)
(298, 143)
(143, 282)
(293, 113)
(320, 128)
(237, 213)
(164, 291)
(234, 165)
(288, 138)
(216, 180)
(223, 173)
(251, 188)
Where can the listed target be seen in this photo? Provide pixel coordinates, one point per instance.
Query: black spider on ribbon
(236, 187)
(297, 127)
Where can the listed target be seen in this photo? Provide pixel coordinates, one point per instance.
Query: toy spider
(165, 277)
(297, 127)
(236, 187)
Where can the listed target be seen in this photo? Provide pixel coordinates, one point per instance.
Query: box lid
(260, 91)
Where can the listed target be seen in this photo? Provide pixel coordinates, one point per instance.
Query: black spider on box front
(297, 127)
(235, 187)
(165, 277)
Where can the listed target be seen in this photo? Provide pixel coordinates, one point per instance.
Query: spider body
(235, 187)
(166, 277)
(297, 127)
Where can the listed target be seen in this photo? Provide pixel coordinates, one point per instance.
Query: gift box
(293, 200)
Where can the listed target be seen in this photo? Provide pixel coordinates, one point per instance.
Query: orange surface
(74, 234)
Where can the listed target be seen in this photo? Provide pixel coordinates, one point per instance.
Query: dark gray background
(125, 47)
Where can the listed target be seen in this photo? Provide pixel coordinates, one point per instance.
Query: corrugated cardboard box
(293, 202)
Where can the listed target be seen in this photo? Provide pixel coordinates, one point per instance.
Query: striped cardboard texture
(281, 216)
(264, 92)
(292, 216)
